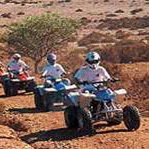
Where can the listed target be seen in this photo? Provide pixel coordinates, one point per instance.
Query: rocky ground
(119, 31)
(29, 129)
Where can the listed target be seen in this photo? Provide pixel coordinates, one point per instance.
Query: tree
(36, 35)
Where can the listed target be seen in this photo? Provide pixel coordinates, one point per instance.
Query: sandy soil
(48, 130)
(23, 127)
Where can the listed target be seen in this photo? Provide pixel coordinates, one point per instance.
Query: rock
(20, 13)
(119, 11)
(67, 0)
(111, 15)
(85, 20)
(62, 1)
(6, 132)
(131, 23)
(10, 139)
(7, 1)
(79, 10)
(106, 1)
(133, 12)
(15, 2)
(122, 34)
(95, 37)
(6, 15)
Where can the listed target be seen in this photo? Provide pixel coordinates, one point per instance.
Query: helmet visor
(94, 62)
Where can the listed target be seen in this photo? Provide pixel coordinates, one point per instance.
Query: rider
(52, 69)
(92, 72)
(17, 64)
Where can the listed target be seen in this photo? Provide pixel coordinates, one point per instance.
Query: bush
(36, 35)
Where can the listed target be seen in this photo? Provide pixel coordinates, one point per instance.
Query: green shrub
(36, 35)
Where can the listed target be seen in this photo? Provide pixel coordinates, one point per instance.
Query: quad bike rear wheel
(70, 116)
(9, 89)
(131, 117)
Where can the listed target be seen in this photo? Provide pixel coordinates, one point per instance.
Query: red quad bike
(16, 81)
(2, 75)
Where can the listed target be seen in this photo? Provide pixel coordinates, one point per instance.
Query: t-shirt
(93, 75)
(17, 65)
(55, 70)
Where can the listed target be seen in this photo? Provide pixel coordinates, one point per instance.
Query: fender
(72, 99)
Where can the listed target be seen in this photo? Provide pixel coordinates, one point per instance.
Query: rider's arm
(61, 70)
(106, 74)
(9, 67)
(24, 65)
(45, 71)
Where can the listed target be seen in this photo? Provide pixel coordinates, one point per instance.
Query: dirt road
(48, 131)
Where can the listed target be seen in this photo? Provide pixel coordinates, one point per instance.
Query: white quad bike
(84, 109)
(53, 91)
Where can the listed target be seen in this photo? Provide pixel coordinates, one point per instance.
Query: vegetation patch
(35, 36)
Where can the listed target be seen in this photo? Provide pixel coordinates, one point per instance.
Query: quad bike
(3, 75)
(53, 91)
(84, 109)
(15, 81)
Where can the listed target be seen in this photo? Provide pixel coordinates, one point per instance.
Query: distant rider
(17, 65)
(92, 72)
(52, 69)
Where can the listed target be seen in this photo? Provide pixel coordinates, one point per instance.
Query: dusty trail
(27, 128)
(47, 130)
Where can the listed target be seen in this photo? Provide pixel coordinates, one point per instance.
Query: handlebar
(52, 78)
(100, 82)
(46, 76)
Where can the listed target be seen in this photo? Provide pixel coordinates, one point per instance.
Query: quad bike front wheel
(38, 100)
(85, 120)
(31, 86)
(48, 103)
(131, 117)
(70, 116)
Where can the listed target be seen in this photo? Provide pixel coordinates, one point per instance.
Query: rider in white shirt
(92, 72)
(17, 64)
(52, 69)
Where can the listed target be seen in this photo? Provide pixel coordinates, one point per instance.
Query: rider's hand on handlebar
(49, 77)
(115, 80)
(83, 82)
(41, 77)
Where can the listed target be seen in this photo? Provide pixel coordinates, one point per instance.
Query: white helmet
(16, 56)
(93, 58)
(51, 58)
